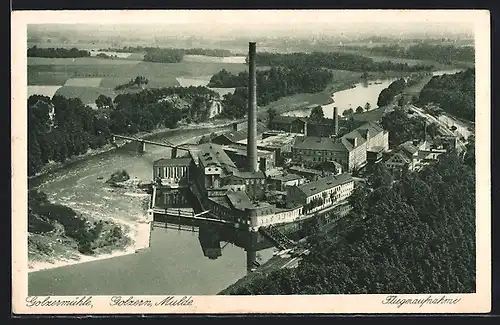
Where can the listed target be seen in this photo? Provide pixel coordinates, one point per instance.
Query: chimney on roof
(335, 120)
(252, 110)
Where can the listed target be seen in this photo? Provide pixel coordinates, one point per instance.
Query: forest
(57, 52)
(272, 84)
(388, 94)
(454, 93)
(334, 60)
(415, 235)
(442, 53)
(60, 128)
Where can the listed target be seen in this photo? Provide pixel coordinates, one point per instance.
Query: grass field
(86, 94)
(83, 82)
(48, 91)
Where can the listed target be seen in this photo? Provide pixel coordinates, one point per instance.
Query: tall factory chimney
(252, 111)
(336, 120)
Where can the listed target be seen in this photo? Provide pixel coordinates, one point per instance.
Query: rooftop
(408, 148)
(400, 156)
(245, 174)
(235, 136)
(213, 154)
(242, 150)
(274, 141)
(241, 201)
(172, 162)
(304, 170)
(286, 177)
(325, 183)
(361, 134)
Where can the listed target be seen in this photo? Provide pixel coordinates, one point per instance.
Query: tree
(271, 114)
(104, 101)
(317, 113)
(359, 109)
(368, 106)
(380, 177)
(348, 112)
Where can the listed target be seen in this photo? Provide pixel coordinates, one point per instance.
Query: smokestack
(252, 110)
(336, 120)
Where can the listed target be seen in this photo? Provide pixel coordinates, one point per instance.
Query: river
(359, 95)
(175, 262)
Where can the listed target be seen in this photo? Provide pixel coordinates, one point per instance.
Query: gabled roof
(213, 154)
(408, 148)
(235, 136)
(325, 183)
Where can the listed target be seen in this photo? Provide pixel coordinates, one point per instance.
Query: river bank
(133, 222)
(55, 166)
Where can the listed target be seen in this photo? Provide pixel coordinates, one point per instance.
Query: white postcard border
(374, 303)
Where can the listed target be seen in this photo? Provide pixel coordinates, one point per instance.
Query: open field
(48, 91)
(86, 94)
(214, 59)
(83, 82)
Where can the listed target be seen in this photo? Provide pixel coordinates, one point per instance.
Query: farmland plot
(83, 82)
(87, 95)
(48, 91)
(214, 59)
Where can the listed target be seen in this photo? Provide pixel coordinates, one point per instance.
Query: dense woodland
(60, 128)
(442, 53)
(57, 52)
(272, 84)
(45, 217)
(388, 94)
(334, 60)
(416, 235)
(454, 93)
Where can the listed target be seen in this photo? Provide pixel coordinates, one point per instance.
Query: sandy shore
(138, 231)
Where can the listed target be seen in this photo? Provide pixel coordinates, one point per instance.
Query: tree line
(57, 52)
(454, 93)
(272, 84)
(334, 60)
(416, 235)
(388, 94)
(436, 52)
(193, 51)
(60, 128)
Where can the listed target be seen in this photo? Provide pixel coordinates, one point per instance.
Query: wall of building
(170, 174)
(285, 216)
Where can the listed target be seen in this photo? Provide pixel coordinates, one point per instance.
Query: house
(280, 182)
(213, 166)
(398, 162)
(280, 143)
(308, 173)
(172, 172)
(303, 125)
(320, 194)
(349, 150)
(254, 183)
(237, 134)
(238, 154)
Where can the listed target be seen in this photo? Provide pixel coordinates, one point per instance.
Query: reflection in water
(214, 238)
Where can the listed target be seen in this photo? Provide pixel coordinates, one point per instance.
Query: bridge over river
(141, 148)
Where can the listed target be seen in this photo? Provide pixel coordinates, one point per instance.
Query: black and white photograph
(214, 160)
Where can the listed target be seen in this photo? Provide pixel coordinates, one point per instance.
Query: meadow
(88, 77)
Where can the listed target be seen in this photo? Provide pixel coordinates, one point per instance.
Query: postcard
(251, 161)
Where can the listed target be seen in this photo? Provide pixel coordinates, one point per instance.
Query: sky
(279, 22)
